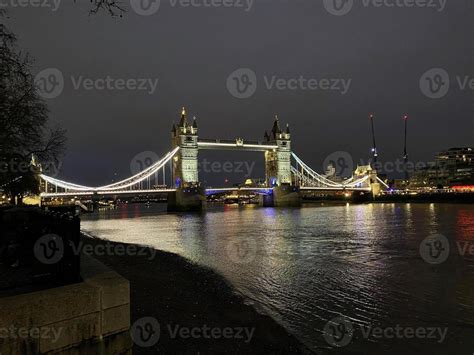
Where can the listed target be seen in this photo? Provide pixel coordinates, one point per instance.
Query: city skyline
(107, 128)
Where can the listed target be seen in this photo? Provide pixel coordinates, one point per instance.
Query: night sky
(383, 52)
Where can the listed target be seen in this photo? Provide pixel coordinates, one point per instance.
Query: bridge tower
(278, 167)
(185, 163)
(278, 162)
(189, 195)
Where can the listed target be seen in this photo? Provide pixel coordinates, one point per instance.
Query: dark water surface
(308, 266)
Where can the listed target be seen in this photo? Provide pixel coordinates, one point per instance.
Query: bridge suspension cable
(313, 178)
(120, 185)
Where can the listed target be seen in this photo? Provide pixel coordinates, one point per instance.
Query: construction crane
(374, 146)
(405, 153)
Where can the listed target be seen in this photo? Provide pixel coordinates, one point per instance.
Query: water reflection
(306, 266)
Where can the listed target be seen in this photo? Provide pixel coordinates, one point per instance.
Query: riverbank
(182, 295)
(395, 198)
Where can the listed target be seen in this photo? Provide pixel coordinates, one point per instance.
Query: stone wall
(88, 317)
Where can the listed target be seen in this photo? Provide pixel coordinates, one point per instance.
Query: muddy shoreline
(182, 295)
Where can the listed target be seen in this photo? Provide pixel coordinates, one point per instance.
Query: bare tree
(24, 122)
(113, 7)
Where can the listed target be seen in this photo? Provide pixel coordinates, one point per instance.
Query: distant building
(452, 167)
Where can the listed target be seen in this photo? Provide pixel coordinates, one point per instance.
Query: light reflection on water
(306, 266)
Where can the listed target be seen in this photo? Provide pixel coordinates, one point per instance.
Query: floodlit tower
(278, 161)
(185, 163)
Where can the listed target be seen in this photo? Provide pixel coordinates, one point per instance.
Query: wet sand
(181, 294)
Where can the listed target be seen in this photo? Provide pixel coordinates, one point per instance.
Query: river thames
(311, 267)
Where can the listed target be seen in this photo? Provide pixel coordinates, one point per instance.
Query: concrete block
(115, 289)
(63, 335)
(115, 320)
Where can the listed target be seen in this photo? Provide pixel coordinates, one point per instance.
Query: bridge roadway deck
(208, 191)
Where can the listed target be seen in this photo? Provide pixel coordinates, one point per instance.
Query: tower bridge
(286, 175)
